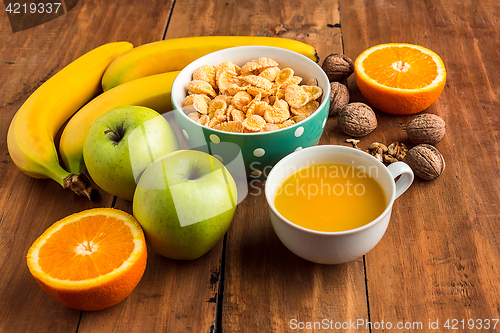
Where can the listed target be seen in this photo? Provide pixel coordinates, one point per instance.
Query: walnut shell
(426, 128)
(339, 98)
(338, 67)
(425, 161)
(357, 119)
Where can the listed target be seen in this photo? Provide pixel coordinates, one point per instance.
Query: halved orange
(90, 260)
(399, 78)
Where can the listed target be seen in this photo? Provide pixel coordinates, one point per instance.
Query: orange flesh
(86, 249)
(401, 67)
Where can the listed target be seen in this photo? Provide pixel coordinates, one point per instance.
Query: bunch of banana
(175, 54)
(30, 139)
(150, 91)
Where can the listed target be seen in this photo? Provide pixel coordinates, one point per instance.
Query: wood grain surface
(439, 259)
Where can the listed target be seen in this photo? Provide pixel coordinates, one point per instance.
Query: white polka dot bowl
(258, 151)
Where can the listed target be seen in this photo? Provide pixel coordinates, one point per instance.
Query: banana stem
(80, 185)
(77, 183)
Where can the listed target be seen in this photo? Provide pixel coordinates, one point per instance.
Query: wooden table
(439, 260)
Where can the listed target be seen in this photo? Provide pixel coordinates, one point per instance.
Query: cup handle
(401, 169)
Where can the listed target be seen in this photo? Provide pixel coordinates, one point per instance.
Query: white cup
(342, 246)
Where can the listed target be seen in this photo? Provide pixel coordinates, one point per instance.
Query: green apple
(122, 143)
(185, 202)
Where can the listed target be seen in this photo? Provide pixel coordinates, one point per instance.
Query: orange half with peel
(399, 78)
(90, 260)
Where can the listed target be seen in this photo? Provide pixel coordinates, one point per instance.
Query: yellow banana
(151, 91)
(174, 54)
(30, 139)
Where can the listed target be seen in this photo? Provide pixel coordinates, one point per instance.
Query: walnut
(357, 119)
(397, 150)
(338, 67)
(378, 150)
(425, 161)
(426, 128)
(354, 142)
(389, 159)
(339, 97)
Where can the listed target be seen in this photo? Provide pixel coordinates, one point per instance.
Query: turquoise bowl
(253, 154)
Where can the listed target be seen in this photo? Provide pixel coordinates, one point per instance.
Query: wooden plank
(265, 285)
(172, 296)
(316, 23)
(439, 259)
(270, 289)
(28, 206)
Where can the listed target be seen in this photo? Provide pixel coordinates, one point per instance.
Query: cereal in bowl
(257, 97)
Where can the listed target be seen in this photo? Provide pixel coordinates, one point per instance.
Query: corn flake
(258, 108)
(277, 113)
(295, 96)
(188, 100)
(225, 66)
(217, 109)
(237, 115)
(200, 104)
(226, 98)
(293, 80)
(195, 116)
(220, 113)
(204, 119)
(227, 82)
(284, 75)
(270, 73)
(254, 91)
(246, 130)
(254, 123)
(215, 121)
(241, 99)
(201, 87)
(258, 64)
(305, 110)
(258, 81)
(258, 97)
(286, 123)
(230, 126)
(314, 92)
(229, 109)
(206, 73)
(280, 94)
(252, 103)
(270, 127)
(297, 119)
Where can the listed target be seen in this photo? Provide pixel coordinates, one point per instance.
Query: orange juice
(331, 197)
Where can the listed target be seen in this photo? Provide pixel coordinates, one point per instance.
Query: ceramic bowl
(259, 152)
(342, 246)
